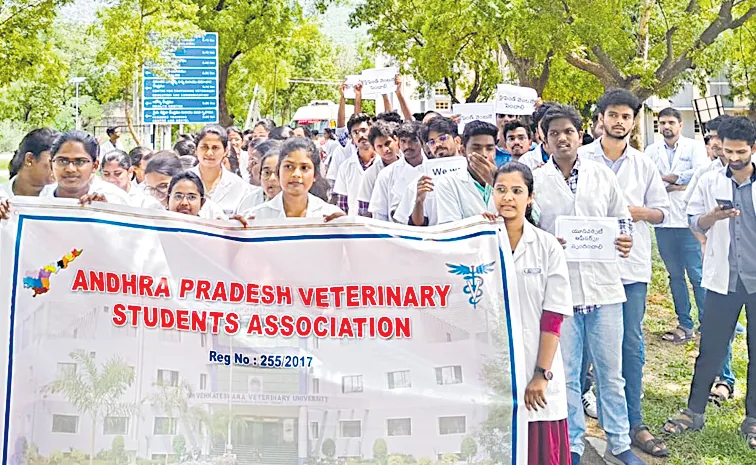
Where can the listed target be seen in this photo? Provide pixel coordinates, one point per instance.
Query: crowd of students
(581, 320)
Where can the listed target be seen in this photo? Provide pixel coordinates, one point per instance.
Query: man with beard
(418, 204)
(392, 181)
(677, 159)
(568, 185)
(503, 155)
(648, 203)
(351, 172)
(723, 207)
(518, 139)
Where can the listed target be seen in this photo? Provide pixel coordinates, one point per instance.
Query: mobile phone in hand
(725, 204)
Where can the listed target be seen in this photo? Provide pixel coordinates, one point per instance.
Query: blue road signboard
(185, 89)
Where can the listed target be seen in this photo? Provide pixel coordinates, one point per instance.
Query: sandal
(717, 398)
(654, 447)
(679, 335)
(685, 422)
(748, 430)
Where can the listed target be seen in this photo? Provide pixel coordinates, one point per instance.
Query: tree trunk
(224, 118)
(92, 440)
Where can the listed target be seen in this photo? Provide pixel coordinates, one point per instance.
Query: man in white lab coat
(677, 158)
(466, 193)
(723, 207)
(350, 173)
(648, 204)
(382, 137)
(567, 185)
(392, 181)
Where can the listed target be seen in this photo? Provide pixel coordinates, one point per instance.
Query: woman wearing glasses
(186, 194)
(266, 166)
(74, 159)
(221, 186)
(161, 169)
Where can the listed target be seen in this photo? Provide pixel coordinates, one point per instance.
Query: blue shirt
(502, 156)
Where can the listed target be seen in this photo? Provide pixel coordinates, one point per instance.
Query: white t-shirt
(390, 186)
(112, 193)
(274, 208)
(368, 180)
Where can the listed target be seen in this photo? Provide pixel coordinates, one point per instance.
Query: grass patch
(666, 385)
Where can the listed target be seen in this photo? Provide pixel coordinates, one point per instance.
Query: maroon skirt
(548, 443)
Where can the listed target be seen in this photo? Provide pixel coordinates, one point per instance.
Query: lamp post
(77, 81)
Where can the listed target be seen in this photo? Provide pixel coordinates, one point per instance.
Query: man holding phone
(723, 207)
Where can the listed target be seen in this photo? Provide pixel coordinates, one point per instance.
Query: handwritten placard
(515, 100)
(378, 81)
(589, 239)
(351, 81)
(474, 112)
(444, 166)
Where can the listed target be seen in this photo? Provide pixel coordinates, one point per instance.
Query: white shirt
(688, 156)
(274, 208)
(255, 197)
(113, 194)
(212, 211)
(6, 189)
(108, 147)
(599, 195)
(716, 263)
(703, 169)
(349, 181)
(458, 198)
(340, 155)
(542, 284)
(643, 187)
(228, 192)
(390, 187)
(243, 164)
(533, 158)
(407, 204)
(368, 179)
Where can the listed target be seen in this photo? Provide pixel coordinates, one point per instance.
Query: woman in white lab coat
(298, 170)
(264, 170)
(186, 194)
(117, 170)
(221, 186)
(545, 299)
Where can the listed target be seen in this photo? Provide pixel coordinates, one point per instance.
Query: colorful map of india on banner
(161, 337)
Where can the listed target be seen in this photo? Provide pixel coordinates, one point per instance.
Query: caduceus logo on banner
(473, 276)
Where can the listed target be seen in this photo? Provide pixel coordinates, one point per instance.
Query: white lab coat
(274, 208)
(643, 187)
(349, 181)
(542, 284)
(407, 204)
(599, 195)
(458, 198)
(532, 159)
(368, 179)
(212, 211)
(228, 192)
(6, 189)
(255, 197)
(390, 186)
(141, 199)
(716, 263)
(112, 193)
(703, 169)
(339, 156)
(689, 155)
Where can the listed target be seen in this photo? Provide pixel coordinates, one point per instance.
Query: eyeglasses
(158, 192)
(266, 174)
(77, 162)
(440, 140)
(178, 197)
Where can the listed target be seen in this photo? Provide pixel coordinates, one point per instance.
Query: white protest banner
(589, 239)
(351, 81)
(378, 81)
(515, 100)
(474, 112)
(436, 167)
(369, 331)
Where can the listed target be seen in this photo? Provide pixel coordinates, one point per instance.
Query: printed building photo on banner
(288, 344)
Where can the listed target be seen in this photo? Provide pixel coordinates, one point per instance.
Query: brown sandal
(654, 447)
(679, 335)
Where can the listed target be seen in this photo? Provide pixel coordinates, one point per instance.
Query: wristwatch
(547, 375)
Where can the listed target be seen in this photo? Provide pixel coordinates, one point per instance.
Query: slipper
(679, 335)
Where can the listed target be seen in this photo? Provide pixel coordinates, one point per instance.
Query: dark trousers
(720, 317)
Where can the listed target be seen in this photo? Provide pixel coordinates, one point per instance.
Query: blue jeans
(681, 253)
(633, 349)
(601, 331)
